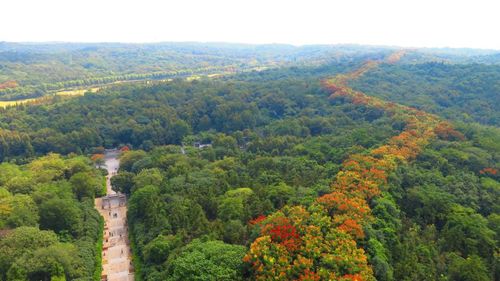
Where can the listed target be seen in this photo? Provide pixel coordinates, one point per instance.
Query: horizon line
(388, 46)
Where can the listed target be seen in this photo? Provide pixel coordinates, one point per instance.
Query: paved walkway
(116, 255)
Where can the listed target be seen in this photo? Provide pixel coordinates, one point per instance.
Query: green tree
(234, 232)
(9, 171)
(467, 232)
(127, 159)
(467, 269)
(22, 241)
(187, 216)
(48, 168)
(212, 260)
(85, 185)
(123, 182)
(59, 261)
(24, 211)
(158, 249)
(61, 215)
(147, 177)
(20, 184)
(147, 208)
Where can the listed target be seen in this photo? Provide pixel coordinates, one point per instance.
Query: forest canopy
(359, 166)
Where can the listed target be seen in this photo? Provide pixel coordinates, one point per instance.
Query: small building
(113, 200)
(200, 145)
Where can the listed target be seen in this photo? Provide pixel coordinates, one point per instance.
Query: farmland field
(66, 93)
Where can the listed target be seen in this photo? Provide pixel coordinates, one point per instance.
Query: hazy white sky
(416, 23)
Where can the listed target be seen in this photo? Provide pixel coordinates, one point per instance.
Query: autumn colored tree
(320, 243)
(98, 159)
(300, 244)
(9, 85)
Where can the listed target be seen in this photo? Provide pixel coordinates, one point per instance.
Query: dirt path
(116, 255)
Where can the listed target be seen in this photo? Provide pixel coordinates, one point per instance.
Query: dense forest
(33, 70)
(47, 216)
(279, 174)
(145, 116)
(455, 91)
(30, 70)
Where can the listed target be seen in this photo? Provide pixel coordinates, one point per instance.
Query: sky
(416, 23)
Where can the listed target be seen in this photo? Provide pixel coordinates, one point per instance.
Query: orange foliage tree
(8, 85)
(97, 157)
(124, 148)
(300, 244)
(320, 243)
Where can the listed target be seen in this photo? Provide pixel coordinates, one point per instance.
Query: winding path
(116, 255)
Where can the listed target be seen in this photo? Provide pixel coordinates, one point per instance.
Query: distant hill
(464, 92)
(40, 68)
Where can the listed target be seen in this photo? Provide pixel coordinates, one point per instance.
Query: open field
(81, 91)
(66, 93)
